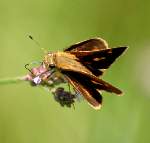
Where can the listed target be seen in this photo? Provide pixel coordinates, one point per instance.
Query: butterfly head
(49, 60)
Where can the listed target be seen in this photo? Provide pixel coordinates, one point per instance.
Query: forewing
(97, 61)
(94, 44)
(98, 83)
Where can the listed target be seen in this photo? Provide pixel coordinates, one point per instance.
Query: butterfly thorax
(69, 62)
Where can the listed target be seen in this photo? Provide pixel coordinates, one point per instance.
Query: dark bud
(63, 97)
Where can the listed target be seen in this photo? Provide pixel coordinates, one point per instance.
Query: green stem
(4, 81)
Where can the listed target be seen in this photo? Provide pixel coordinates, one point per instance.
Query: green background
(30, 115)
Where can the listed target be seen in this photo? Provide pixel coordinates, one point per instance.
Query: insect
(82, 65)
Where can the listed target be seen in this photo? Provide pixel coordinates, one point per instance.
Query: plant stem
(4, 81)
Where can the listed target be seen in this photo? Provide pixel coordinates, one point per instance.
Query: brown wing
(97, 61)
(86, 88)
(98, 83)
(66, 62)
(94, 44)
(89, 87)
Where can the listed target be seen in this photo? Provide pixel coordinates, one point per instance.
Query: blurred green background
(30, 115)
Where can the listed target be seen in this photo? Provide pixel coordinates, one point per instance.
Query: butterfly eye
(49, 60)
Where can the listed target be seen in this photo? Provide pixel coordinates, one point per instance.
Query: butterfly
(83, 64)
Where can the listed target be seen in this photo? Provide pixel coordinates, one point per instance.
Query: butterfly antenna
(26, 66)
(38, 44)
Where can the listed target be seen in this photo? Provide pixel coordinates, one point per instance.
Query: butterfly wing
(89, 87)
(67, 63)
(95, 54)
(98, 83)
(98, 61)
(86, 88)
(94, 44)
